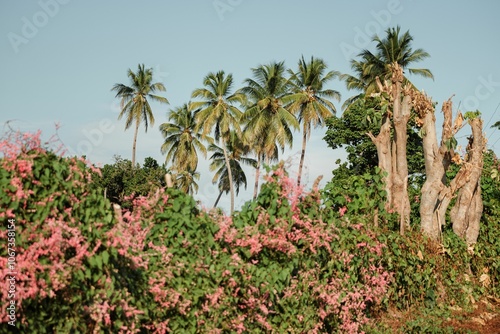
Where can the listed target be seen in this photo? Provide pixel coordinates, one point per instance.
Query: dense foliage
(350, 132)
(283, 263)
(488, 247)
(289, 261)
(119, 181)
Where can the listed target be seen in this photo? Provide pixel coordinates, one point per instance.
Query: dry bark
(466, 213)
(402, 107)
(432, 208)
(437, 192)
(392, 152)
(168, 180)
(384, 152)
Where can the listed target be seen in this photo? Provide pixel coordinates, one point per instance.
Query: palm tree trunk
(135, 142)
(302, 155)
(218, 198)
(257, 175)
(229, 174)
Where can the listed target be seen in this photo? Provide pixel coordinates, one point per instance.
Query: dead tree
(391, 150)
(438, 191)
(466, 213)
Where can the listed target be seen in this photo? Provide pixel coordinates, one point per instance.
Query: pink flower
(343, 210)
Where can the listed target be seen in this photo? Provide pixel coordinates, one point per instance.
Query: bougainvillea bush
(71, 263)
(284, 263)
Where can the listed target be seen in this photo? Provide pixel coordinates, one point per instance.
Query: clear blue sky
(60, 58)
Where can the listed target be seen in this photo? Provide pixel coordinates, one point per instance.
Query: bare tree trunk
(434, 190)
(257, 175)
(392, 153)
(229, 174)
(402, 107)
(218, 198)
(135, 142)
(467, 211)
(384, 152)
(168, 180)
(302, 155)
(437, 192)
(118, 212)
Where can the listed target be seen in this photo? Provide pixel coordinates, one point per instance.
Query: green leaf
(176, 206)
(105, 257)
(88, 273)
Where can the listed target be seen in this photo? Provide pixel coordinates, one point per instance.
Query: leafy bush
(360, 197)
(325, 270)
(426, 273)
(62, 247)
(284, 263)
(120, 180)
(290, 261)
(486, 258)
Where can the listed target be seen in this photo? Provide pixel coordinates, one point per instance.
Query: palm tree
(269, 155)
(311, 99)
(359, 82)
(185, 181)
(182, 142)
(219, 112)
(134, 100)
(392, 49)
(268, 124)
(237, 151)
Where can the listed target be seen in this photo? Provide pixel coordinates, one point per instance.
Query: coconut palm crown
(395, 47)
(135, 98)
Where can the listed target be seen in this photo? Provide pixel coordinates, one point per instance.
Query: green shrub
(290, 261)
